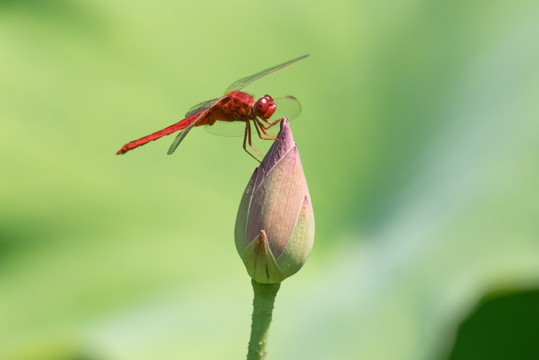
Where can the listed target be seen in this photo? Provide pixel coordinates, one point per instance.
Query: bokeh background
(419, 139)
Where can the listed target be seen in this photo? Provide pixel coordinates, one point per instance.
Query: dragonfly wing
(179, 138)
(243, 82)
(227, 128)
(287, 106)
(202, 106)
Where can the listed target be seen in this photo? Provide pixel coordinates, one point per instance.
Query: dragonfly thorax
(265, 107)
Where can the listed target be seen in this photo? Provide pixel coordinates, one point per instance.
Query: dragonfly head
(265, 107)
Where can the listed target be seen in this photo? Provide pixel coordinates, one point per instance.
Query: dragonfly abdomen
(182, 124)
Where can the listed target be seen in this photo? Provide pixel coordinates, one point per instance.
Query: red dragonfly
(233, 107)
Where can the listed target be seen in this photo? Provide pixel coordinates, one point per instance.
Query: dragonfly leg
(272, 123)
(259, 126)
(247, 136)
(264, 128)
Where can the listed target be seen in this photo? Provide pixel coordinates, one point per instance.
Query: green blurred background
(418, 136)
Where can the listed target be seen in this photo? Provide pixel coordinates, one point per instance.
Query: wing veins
(202, 106)
(243, 82)
(179, 138)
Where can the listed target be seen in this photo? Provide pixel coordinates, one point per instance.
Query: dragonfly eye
(265, 107)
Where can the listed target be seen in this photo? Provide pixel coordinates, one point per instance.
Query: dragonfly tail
(156, 135)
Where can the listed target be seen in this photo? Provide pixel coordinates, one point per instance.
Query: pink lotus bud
(275, 223)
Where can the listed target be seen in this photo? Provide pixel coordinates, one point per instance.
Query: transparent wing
(179, 138)
(227, 128)
(287, 106)
(202, 106)
(241, 83)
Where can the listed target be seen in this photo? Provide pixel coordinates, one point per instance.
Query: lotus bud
(275, 223)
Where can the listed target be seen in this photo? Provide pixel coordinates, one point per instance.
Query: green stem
(264, 297)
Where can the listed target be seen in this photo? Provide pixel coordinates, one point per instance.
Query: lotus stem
(264, 298)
